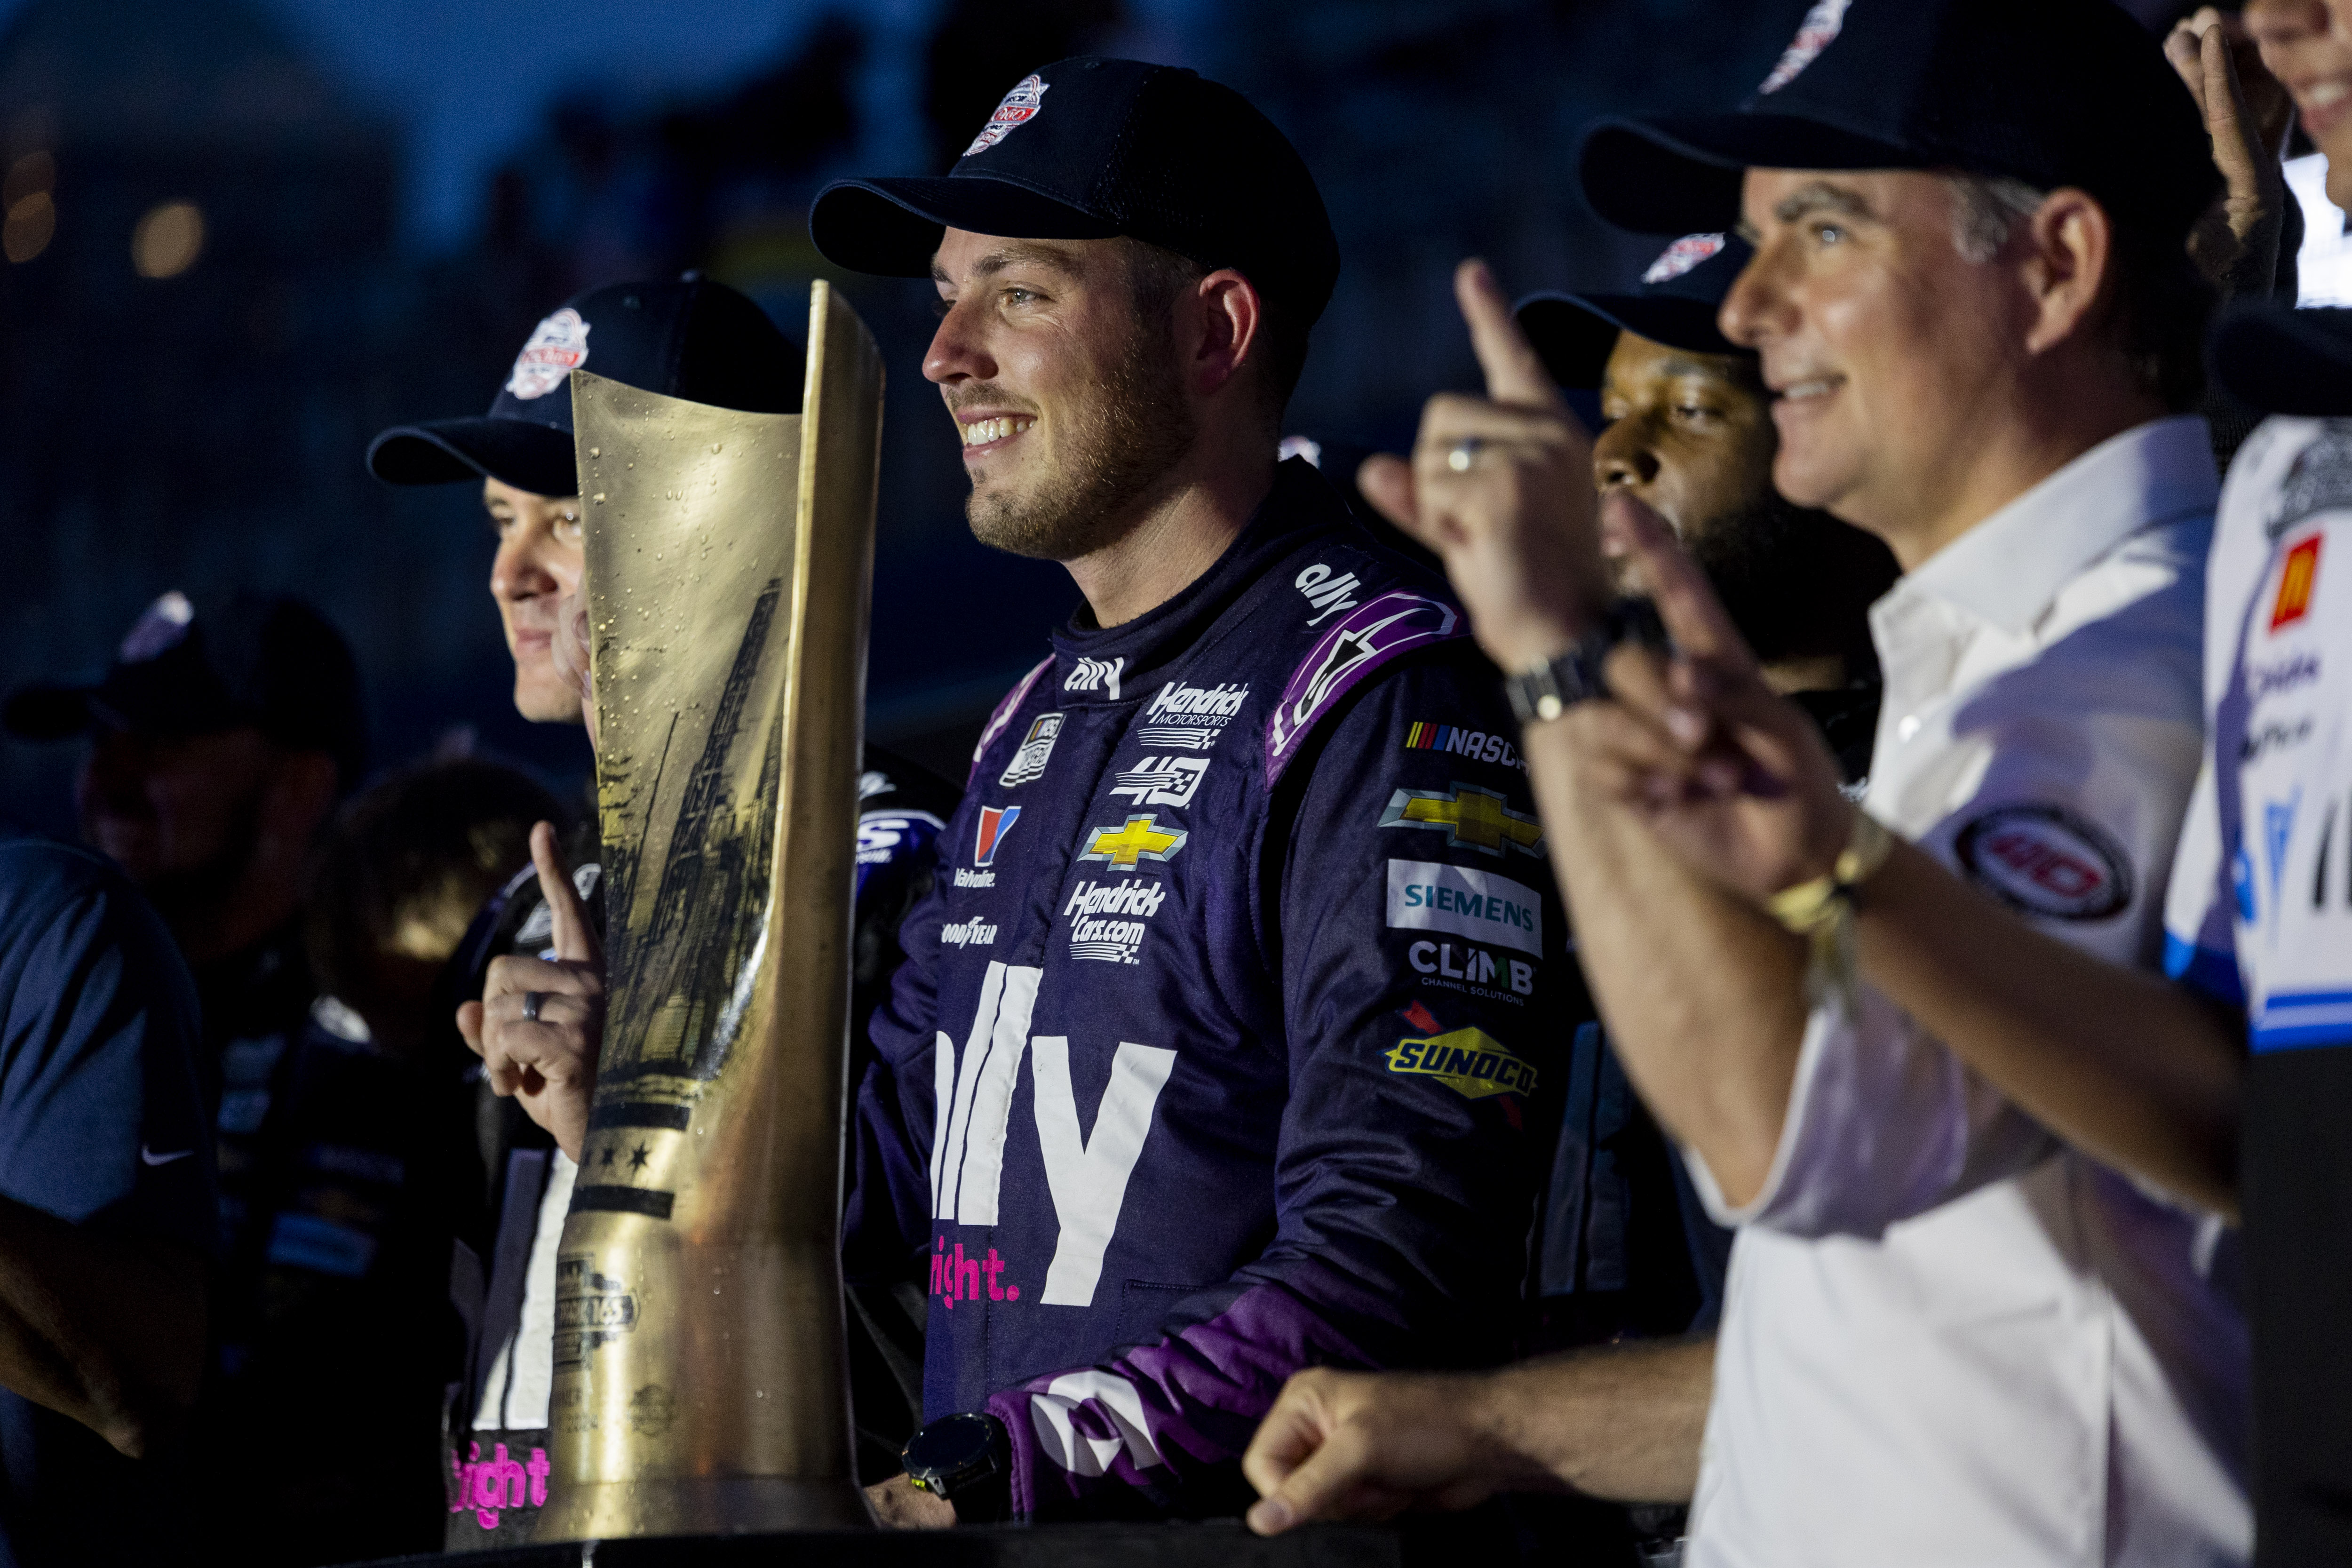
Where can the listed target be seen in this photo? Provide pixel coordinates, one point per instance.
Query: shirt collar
(2007, 568)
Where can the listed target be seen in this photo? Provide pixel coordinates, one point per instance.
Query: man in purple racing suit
(1214, 1052)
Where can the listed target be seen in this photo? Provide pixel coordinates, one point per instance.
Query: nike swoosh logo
(149, 1156)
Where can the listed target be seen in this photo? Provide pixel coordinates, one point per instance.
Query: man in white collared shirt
(1954, 1333)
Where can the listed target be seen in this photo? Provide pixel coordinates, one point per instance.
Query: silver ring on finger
(1463, 453)
(530, 1001)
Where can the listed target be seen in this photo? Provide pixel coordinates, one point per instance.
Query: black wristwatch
(967, 1460)
(1550, 690)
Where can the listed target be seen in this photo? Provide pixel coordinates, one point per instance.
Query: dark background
(393, 193)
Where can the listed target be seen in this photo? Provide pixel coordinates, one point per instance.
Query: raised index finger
(576, 938)
(1515, 372)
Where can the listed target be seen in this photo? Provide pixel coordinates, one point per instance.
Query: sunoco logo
(1108, 923)
(1191, 718)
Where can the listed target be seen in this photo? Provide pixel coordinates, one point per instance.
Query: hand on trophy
(540, 1022)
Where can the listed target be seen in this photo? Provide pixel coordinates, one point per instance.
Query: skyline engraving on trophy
(682, 980)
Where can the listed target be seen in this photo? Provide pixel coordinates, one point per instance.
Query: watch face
(951, 1451)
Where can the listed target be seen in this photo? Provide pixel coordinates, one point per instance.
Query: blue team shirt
(101, 1123)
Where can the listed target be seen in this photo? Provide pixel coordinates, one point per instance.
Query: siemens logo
(1423, 896)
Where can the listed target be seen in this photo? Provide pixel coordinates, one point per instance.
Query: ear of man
(2068, 270)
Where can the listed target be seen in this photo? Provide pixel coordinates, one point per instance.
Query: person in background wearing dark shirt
(220, 738)
(107, 1214)
(342, 1313)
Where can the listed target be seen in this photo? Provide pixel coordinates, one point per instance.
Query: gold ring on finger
(1461, 454)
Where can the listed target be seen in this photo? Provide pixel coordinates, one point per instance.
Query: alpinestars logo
(1019, 107)
(1191, 718)
(1029, 762)
(1096, 675)
(1328, 595)
(1108, 923)
(1161, 781)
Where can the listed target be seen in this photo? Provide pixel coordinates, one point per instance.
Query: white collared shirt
(1948, 1338)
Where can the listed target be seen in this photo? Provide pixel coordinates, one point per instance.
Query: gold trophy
(700, 1384)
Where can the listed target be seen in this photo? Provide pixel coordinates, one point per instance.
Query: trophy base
(716, 1505)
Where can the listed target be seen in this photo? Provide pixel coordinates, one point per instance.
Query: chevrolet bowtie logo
(1473, 819)
(1138, 840)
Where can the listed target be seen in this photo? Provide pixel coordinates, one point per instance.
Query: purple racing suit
(1211, 1055)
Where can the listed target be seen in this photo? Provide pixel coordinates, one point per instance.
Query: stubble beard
(1120, 440)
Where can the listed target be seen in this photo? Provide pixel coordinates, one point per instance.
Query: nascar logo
(1475, 744)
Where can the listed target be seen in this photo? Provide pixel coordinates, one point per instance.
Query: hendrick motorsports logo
(1108, 923)
(1190, 717)
(1470, 1062)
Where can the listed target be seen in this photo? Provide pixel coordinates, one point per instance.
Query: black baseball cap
(1091, 148)
(2052, 92)
(690, 338)
(1675, 303)
(196, 664)
(2280, 360)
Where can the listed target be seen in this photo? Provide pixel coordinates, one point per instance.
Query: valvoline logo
(996, 822)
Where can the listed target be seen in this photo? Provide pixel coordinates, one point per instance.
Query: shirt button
(1906, 727)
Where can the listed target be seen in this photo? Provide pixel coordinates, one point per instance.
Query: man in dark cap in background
(220, 738)
(694, 339)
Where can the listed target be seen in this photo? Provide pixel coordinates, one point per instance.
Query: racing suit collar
(1094, 665)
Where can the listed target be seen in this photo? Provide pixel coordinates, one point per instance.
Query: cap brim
(1575, 334)
(891, 227)
(47, 712)
(2284, 360)
(1683, 174)
(518, 452)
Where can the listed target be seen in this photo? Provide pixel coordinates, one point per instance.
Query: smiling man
(1212, 1055)
(1956, 1331)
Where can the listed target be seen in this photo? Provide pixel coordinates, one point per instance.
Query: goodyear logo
(1470, 1062)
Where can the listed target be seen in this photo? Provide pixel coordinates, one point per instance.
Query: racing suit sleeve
(1883, 1122)
(1417, 945)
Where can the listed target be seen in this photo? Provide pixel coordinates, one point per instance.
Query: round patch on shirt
(2045, 860)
